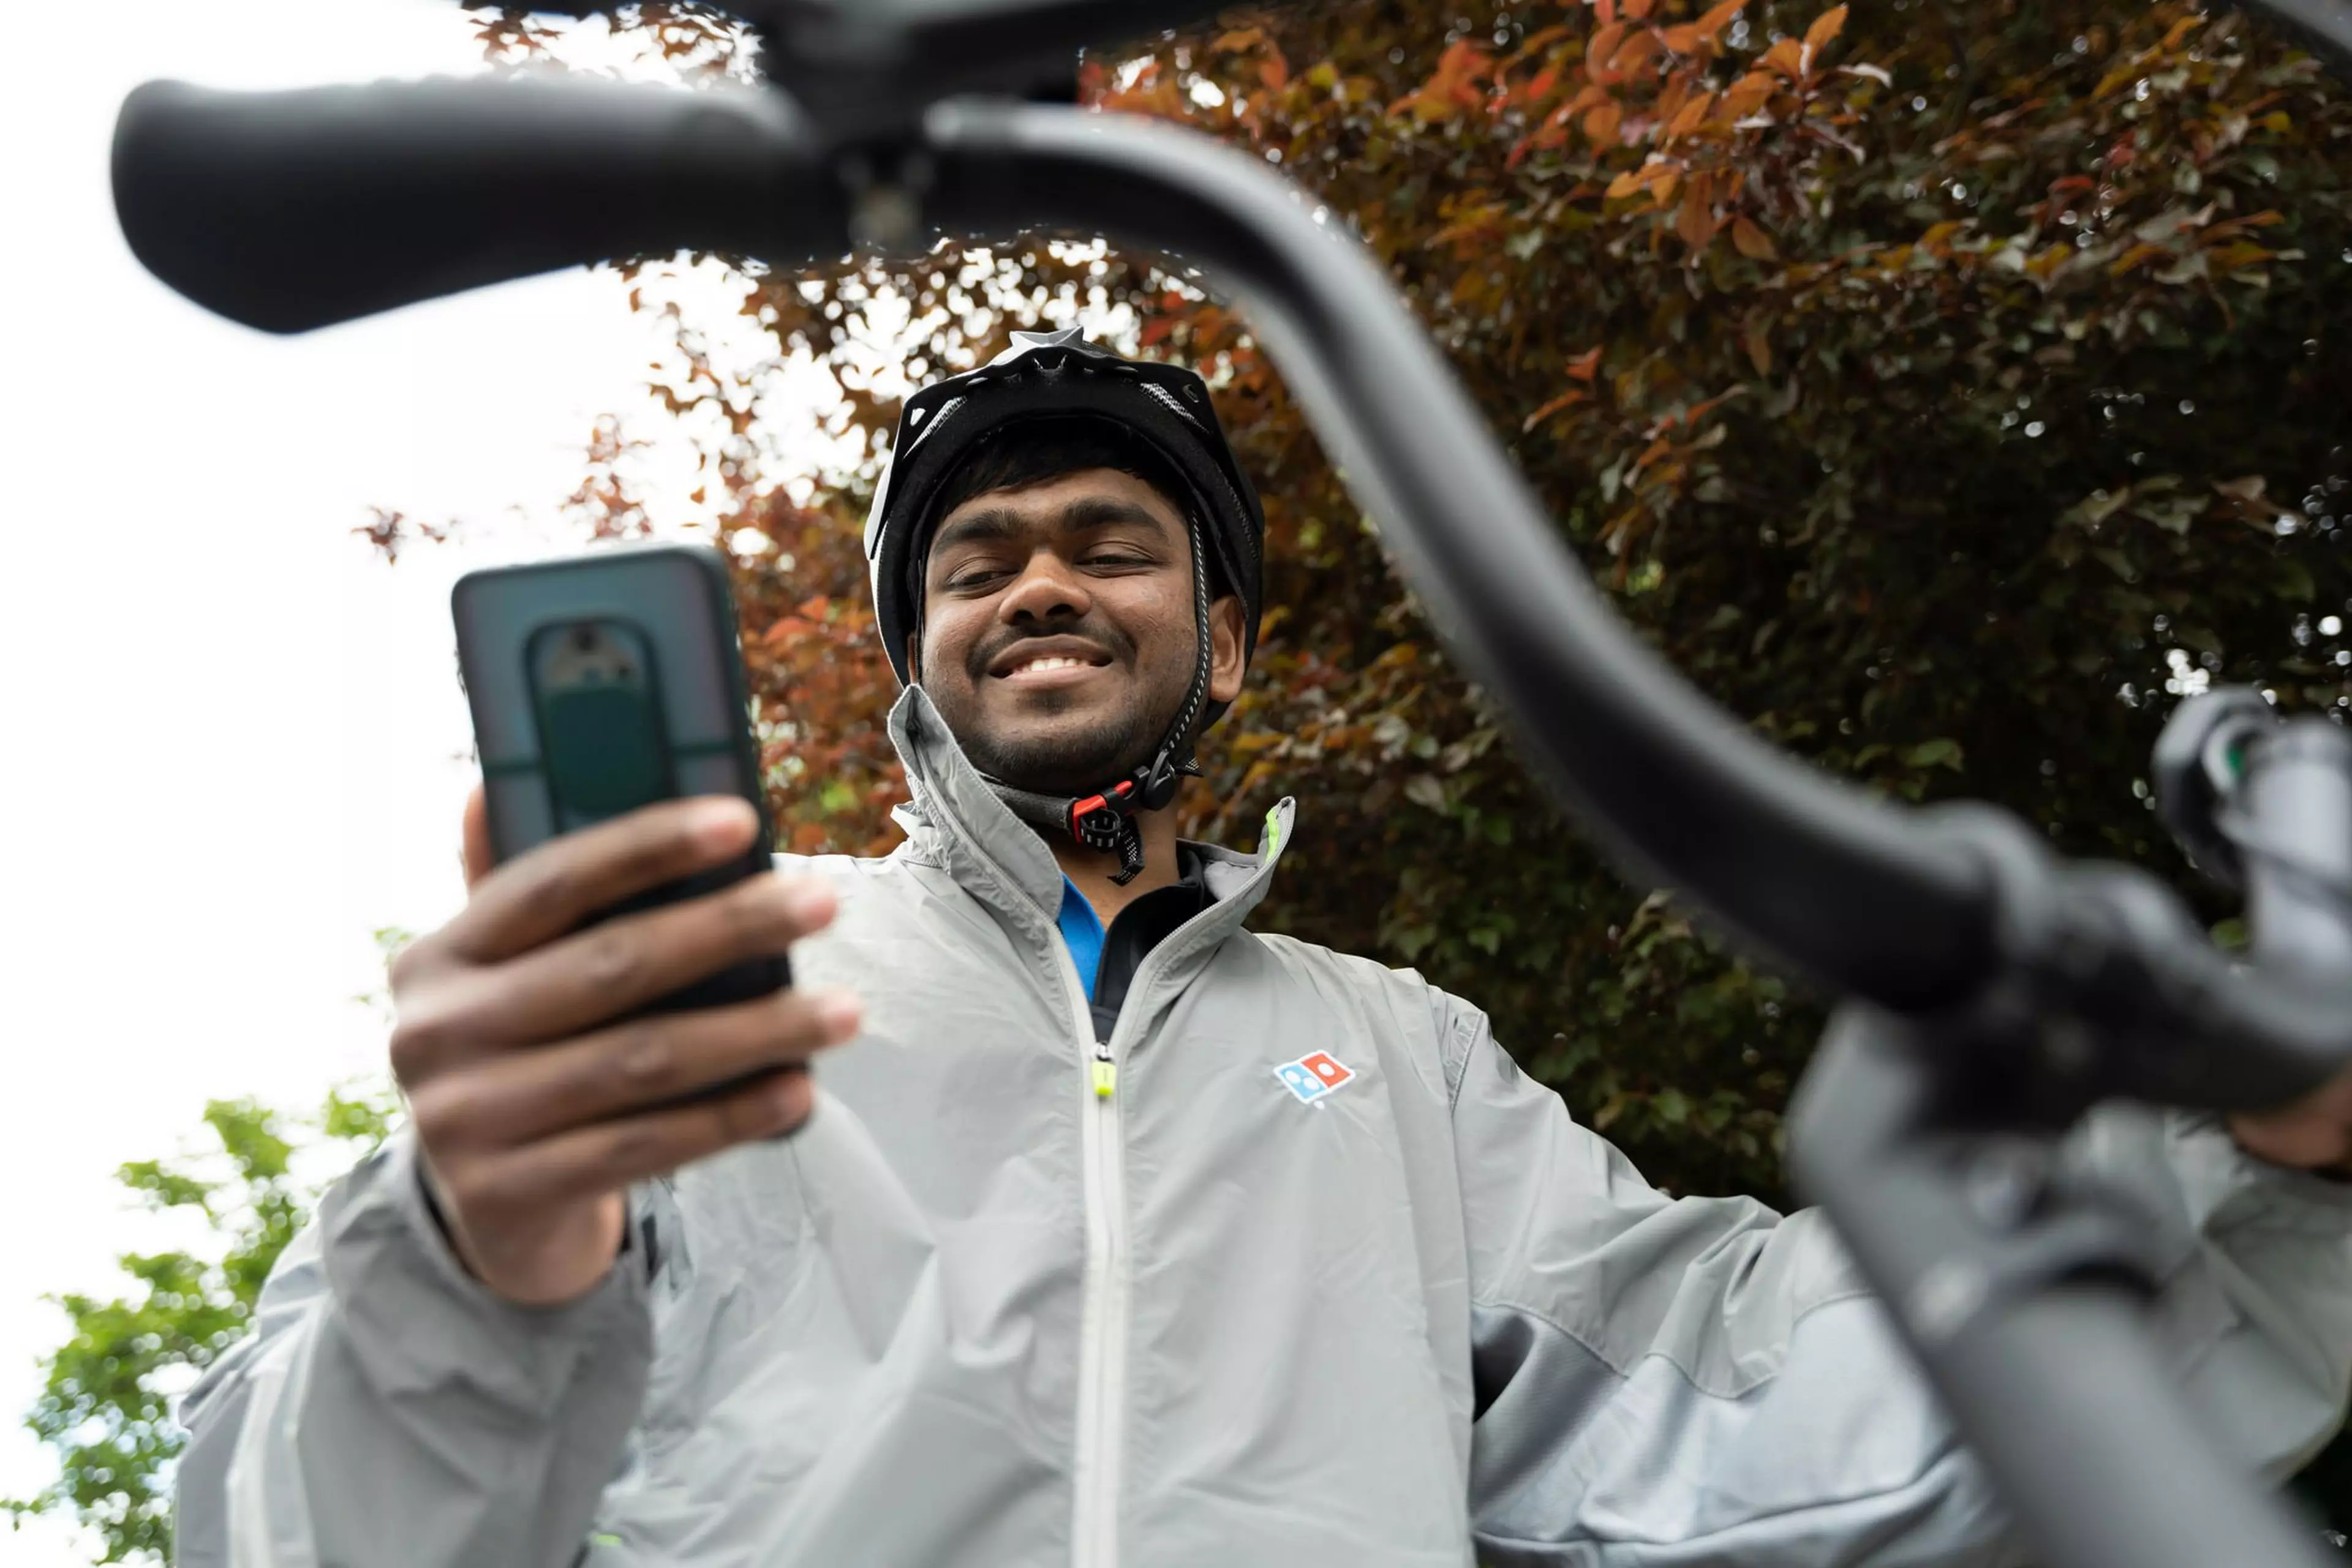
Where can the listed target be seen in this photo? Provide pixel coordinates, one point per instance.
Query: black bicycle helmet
(1058, 378)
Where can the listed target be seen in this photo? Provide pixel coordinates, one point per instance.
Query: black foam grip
(293, 210)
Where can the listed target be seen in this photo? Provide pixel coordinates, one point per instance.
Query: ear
(915, 656)
(1226, 662)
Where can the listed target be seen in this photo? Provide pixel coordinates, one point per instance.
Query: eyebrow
(1000, 522)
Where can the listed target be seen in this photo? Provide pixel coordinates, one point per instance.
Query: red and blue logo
(1310, 1078)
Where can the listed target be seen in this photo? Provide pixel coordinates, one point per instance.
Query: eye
(978, 575)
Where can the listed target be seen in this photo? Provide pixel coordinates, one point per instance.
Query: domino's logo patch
(1310, 1078)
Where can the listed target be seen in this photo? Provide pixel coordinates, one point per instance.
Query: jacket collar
(954, 821)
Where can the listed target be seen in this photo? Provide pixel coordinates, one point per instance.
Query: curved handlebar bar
(293, 210)
(289, 211)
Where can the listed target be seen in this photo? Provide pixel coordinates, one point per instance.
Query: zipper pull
(1106, 1070)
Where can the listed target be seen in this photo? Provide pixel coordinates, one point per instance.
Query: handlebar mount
(1994, 992)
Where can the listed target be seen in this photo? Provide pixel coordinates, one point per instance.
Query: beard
(1076, 763)
(1052, 749)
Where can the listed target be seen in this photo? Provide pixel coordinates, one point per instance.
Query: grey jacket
(1322, 1280)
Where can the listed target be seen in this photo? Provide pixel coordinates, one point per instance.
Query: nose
(1047, 590)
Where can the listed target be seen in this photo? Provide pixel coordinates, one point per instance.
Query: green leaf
(104, 1407)
(1942, 752)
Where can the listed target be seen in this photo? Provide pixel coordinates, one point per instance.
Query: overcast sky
(237, 742)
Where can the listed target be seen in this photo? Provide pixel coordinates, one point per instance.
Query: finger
(479, 859)
(552, 888)
(597, 977)
(523, 1096)
(2301, 1141)
(588, 1162)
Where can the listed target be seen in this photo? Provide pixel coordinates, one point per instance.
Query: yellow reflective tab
(1106, 1078)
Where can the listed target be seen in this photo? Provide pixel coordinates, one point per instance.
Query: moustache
(1108, 640)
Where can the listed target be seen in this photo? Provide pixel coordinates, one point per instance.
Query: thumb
(479, 857)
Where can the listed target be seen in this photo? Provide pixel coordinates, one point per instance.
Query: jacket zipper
(1103, 1309)
(1103, 1315)
(1102, 1342)
(1102, 1318)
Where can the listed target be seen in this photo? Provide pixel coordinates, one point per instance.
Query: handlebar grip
(292, 210)
(2297, 848)
(2263, 803)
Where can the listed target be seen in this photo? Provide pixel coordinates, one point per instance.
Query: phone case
(606, 681)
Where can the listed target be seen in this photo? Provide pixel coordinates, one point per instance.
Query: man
(1108, 1231)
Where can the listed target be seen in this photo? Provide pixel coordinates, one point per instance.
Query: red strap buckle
(1095, 806)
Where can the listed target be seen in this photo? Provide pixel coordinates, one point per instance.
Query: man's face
(1057, 638)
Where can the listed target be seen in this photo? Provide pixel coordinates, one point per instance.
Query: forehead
(1069, 500)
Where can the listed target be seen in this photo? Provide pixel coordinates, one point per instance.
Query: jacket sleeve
(389, 1410)
(1670, 1383)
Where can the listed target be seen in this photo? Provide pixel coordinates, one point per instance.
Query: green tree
(106, 1407)
(246, 1187)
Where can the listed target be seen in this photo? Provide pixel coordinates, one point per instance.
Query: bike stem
(2023, 1290)
(2022, 1286)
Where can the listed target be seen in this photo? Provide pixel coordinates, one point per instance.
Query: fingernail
(720, 823)
(840, 1013)
(810, 903)
(787, 1101)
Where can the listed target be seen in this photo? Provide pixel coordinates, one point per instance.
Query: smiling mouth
(1050, 667)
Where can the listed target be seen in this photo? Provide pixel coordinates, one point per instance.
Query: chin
(1072, 755)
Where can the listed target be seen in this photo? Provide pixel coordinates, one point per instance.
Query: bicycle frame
(1995, 992)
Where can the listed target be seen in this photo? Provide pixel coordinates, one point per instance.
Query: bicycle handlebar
(290, 210)
(2026, 1295)
(293, 210)
(309, 207)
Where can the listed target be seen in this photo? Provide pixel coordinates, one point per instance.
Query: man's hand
(534, 1109)
(2314, 1133)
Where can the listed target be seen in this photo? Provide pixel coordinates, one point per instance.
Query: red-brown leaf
(1826, 27)
(1751, 241)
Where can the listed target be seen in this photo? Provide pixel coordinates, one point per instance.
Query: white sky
(237, 739)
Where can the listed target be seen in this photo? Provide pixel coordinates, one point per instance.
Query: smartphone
(607, 681)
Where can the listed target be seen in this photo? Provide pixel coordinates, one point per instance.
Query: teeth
(1051, 661)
